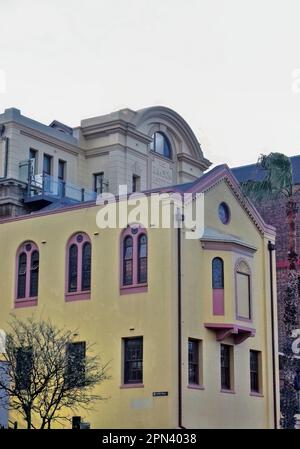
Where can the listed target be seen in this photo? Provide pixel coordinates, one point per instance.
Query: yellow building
(191, 312)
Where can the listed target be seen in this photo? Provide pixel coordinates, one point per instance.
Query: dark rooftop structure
(253, 173)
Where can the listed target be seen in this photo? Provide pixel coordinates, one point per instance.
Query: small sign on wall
(160, 393)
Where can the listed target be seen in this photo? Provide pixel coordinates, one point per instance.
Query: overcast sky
(226, 66)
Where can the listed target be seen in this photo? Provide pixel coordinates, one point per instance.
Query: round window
(224, 213)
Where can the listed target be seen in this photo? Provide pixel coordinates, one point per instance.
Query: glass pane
(73, 264)
(217, 273)
(86, 266)
(22, 267)
(34, 274)
(243, 295)
(47, 164)
(133, 368)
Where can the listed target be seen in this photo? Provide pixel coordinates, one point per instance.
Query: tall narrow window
(79, 262)
(99, 183)
(73, 267)
(243, 291)
(24, 359)
(76, 357)
(22, 269)
(128, 261)
(136, 183)
(47, 164)
(27, 276)
(255, 371)
(195, 360)
(34, 274)
(218, 286)
(86, 266)
(33, 160)
(61, 170)
(133, 360)
(134, 259)
(142, 261)
(226, 368)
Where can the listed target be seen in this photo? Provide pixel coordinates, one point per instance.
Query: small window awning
(224, 330)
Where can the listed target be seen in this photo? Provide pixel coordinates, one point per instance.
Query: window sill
(227, 391)
(77, 296)
(124, 386)
(195, 387)
(136, 288)
(26, 302)
(258, 395)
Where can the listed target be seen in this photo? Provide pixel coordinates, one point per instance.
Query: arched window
(128, 261)
(134, 249)
(142, 258)
(218, 286)
(161, 145)
(27, 276)
(243, 290)
(217, 273)
(79, 256)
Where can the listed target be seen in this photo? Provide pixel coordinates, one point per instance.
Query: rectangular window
(24, 360)
(98, 183)
(195, 361)
(33, 159)
(75, 371)
(226, 367)
(133, 360)
(136, 183)
(243, 295)
(61, 170)
(255, 361)
(47, 164)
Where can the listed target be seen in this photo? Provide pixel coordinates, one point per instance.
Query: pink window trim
(135, 287)
(218, 301)
(236, 271)
(31, 302)
(27, 301)
(79, 294)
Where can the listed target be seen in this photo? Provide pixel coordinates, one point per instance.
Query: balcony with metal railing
(43, 189)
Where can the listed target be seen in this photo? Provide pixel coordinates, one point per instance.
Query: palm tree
(277, 184)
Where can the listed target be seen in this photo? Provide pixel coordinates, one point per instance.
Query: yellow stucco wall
(108, 317)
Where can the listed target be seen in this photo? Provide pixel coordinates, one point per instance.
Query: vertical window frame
(134, 231)
(255, 390)
(27, 299)
(126, 381)
(197, 363)
(242, 267)
(229, 374)
(218, 296)
(79, 293)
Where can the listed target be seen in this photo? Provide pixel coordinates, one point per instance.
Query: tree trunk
(288, 393)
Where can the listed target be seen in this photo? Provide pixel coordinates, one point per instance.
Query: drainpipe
(271, 248)
(6, 140)
(180, 219)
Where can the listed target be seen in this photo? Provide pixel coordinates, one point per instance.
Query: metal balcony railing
(39, 185)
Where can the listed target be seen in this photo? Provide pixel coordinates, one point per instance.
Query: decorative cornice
(241, 248)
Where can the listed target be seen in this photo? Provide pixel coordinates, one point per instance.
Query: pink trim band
(218, 301)
(127, 290)
(26, 302)
(69, 297)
